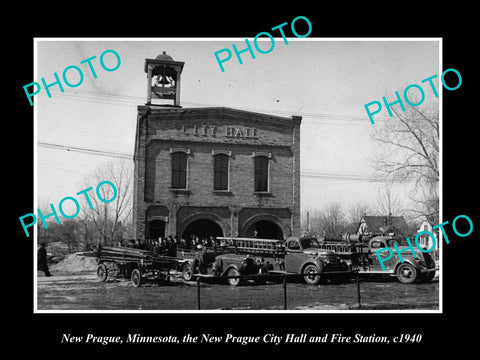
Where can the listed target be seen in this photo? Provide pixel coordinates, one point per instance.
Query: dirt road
(82, 291)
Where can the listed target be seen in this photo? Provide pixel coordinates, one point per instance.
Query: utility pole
(308, 222)
(105, 226)
(85, 235)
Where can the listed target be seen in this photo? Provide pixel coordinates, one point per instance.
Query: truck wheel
(187, 272)
(406, 274)
(234, 281)
(308, 276)
(136, 277)
(102, 272)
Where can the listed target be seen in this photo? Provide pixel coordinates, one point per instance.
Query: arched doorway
(156, 229)
(265, 229)
(203, 228)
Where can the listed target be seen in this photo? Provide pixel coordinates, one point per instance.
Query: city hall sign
(214, 131)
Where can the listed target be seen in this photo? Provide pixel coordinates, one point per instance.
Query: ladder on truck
(253, 246)
(344, 249)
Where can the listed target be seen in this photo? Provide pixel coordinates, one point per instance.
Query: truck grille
(332, 262)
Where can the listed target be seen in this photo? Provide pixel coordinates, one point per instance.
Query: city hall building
(212, 171)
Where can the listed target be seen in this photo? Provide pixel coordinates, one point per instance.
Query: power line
(86, 150)
(340, 176)
(308, 174)
(133, 101)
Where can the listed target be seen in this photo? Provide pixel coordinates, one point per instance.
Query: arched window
(179, 170)
(261, 173)
(220, 172)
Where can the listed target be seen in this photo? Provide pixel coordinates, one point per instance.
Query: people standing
(42, 259)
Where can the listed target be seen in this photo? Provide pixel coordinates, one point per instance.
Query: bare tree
(71, 233)
(306, 224)
(109, 218)
(329, 222)
(42, 233)
(425, 204)
(388, 202)
(410, 152)
(355, 215)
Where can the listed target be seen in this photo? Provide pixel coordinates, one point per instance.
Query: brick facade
(201, 133)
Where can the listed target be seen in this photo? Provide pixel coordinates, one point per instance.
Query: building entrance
(156, 229)
(265, 229)
(202, 228)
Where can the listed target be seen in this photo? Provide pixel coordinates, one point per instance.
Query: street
(82, 291)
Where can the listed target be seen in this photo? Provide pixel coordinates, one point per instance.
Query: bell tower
(163, 80)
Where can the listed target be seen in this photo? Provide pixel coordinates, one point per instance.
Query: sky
(326, 81)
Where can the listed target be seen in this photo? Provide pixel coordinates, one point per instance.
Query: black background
(42, 332)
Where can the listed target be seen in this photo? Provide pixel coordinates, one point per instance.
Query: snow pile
(75, 263)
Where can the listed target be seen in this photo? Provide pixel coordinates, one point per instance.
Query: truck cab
(303, 255)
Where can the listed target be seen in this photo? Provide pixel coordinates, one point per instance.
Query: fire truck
(296, 255)
(360, 254)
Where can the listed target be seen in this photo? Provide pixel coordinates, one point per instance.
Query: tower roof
(164, 56)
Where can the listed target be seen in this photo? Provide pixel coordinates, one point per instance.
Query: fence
(284, 280)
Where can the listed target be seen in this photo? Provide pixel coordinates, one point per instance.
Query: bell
(163, 80)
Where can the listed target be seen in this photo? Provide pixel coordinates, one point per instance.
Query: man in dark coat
(42, 260)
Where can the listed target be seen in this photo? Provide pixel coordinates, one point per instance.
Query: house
(383, 225)
(425, 240)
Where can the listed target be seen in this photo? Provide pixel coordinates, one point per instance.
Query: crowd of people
(170, 244)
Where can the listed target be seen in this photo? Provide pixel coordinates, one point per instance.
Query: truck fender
(318, 263)
(227, 269)
(193, 263)
(405, 262)
(186, 262)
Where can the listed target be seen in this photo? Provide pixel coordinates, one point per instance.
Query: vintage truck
(220, 262)
(303, 255)
(361, 256)
(238, 256)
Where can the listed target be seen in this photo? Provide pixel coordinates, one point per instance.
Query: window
(293, 245)
(220, 172)
(310, 243)
(391, 243)
(179, 170)
(377, 244)
(261, 173)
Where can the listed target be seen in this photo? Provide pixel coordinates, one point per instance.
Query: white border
(35, 188)
(306, 312)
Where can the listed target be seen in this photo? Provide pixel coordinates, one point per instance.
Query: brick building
(212, 171)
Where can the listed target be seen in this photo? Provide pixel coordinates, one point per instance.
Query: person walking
(42, 259)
